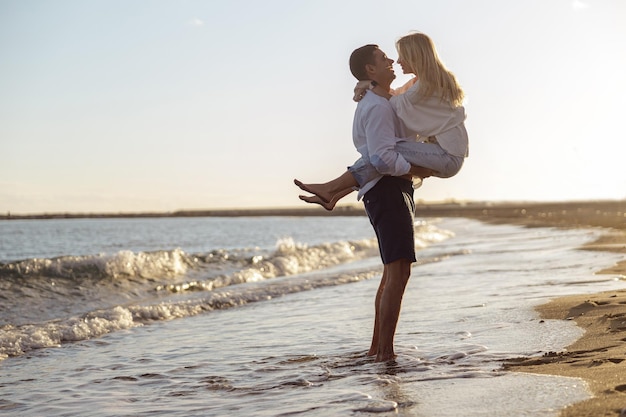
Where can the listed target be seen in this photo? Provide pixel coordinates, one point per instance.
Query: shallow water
(294, 344)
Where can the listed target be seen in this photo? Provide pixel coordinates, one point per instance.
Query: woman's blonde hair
(418, 52)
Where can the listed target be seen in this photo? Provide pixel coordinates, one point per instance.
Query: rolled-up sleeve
(381, 140)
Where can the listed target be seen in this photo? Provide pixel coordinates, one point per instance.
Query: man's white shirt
(375, 131)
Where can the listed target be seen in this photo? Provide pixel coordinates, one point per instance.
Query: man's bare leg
(328, 206)
(398, 273)
(381, 287)
(328, 190)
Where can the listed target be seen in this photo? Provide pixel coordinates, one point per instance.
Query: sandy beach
(599, 357)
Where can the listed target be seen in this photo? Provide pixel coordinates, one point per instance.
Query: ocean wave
(106, 293)
(292, 258)
(18, 340)
(70, 285)
(217, 269)
(124, 263)
(289, 258)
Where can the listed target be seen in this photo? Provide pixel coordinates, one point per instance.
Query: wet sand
(599, 356)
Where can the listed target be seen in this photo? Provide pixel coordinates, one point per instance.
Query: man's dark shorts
(391, 209)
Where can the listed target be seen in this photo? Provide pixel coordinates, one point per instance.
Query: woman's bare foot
(316, 189)
(317, 200)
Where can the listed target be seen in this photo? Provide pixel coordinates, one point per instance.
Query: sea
(273, 316)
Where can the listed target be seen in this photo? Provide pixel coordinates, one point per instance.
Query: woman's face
(406, 68)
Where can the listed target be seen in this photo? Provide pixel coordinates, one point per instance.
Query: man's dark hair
(359, 58)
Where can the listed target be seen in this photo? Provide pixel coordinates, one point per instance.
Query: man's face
(382, 67)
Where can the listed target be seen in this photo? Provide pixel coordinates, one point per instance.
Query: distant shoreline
(605, 213)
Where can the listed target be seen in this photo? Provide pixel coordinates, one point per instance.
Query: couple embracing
(410, 133)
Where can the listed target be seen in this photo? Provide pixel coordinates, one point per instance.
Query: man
(388, 200)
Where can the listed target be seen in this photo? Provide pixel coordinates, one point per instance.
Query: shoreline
(598, 357)
(602, 213)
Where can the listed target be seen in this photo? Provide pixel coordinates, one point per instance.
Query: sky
(154, 105)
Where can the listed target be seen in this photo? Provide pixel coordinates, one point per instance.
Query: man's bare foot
(372, 352)
(316, 189)
(318, 200)
(385, 357)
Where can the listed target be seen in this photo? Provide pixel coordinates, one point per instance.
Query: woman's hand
(360, 89)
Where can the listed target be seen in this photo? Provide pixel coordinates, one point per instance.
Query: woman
(429, 106)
